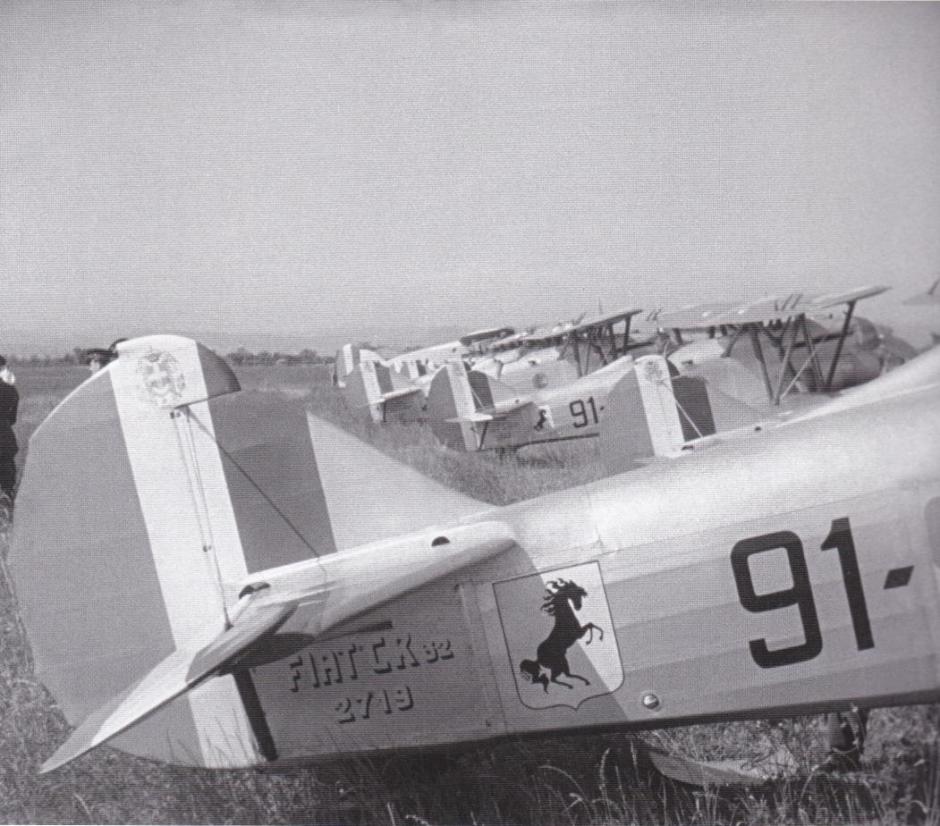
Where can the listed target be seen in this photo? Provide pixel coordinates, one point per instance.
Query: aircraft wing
(822, 302)
(693, 316)
(781, 308)
(763, 311)
(489, 334)
(605, 318)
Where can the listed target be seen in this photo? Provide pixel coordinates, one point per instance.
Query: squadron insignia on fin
(161, 378)
(560, 636)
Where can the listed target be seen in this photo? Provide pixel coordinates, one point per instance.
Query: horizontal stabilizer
(348, 583)
(342, 584)
(176, 674)
(400, 394)
(472, 417)
(499, 412)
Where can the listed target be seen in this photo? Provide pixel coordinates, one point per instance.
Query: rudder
(451, 404)
(149, 494)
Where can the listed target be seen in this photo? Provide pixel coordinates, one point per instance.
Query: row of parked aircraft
(247, 585)
(723, 366)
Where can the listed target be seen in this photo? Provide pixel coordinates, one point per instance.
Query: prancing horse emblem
(560, 636)
(562, 599)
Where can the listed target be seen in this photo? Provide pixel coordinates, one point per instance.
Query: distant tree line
(45, 360)
(243, 356)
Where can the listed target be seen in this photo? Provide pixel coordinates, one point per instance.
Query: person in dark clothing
(9, 401)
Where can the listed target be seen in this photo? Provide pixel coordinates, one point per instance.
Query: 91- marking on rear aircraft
(800, 593)
(584, 412)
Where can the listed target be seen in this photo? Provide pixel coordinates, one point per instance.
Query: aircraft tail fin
(149, 494)
(653, 411)
(461, 400)
(384, 392)
(453, 402)
(348, 357)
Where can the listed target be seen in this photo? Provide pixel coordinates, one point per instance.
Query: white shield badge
(161, 378)
(560, 636)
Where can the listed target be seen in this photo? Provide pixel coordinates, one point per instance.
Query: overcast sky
(250, 169)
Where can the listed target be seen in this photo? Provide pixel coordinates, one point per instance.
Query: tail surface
(348, 357)
(453, 403)
(149, 495)
(385, 393)
(462, 402)
(652, 411)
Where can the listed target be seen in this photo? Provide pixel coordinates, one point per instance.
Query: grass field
(598, 780)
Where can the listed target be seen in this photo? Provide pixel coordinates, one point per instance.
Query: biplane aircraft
(414, 364)
(246, 585)
(469, 410)
(394, 389)
(785, 355)
(538, 359)
(788, 349)
(581, 346)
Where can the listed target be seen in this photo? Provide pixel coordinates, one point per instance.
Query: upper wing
(693, 316)
(764, 311)
(604, 319)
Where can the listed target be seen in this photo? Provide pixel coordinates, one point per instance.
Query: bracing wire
(287, 521)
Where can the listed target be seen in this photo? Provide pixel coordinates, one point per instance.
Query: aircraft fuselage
(782, 573)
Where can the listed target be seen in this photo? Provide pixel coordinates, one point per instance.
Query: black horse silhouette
(559, 597)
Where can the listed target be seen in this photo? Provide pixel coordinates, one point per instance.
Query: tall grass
(594, 780)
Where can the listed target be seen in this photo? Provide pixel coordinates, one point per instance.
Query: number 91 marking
(583, 413)
(800, 593)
